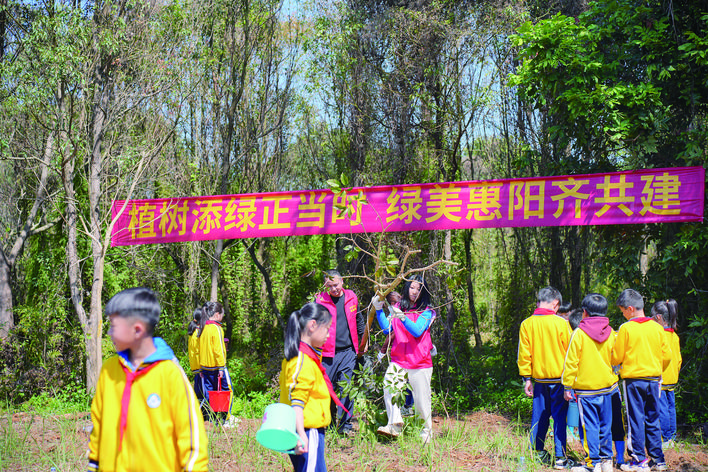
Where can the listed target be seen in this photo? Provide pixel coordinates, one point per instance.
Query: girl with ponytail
(193, 350)
(666, 314)
(305, 386)
(212, 358)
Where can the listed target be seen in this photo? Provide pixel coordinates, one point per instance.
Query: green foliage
(252, 404)
(247, 376)
(618, 79)
(71, 398)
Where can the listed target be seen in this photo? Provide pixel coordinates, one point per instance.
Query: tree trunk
(470, 289)
(451, 316)
(268, 284)
(215, 264)
(7, 261)
(6, 319)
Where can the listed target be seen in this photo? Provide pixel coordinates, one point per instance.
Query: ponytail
(673, 313)
(297, 322)
(195, 322)
(661, 308)
(208, 311)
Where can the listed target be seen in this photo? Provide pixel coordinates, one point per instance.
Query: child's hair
(564, 308)
(595, 304)
(297, 322)
(673, 313)
(668, 310)
(195, 321)
(549, 295)
(137, 302)
(630, 297)
(393, 297)
(575, 317)
(423, 298)
(208, 310)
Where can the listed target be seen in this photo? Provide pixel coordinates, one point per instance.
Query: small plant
(366, 392)
(252, 404)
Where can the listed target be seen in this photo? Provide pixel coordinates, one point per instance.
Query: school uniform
(667, 401)
(641, 351)
(212, 360)
(588, 372)
(302, 384)
(146, 418)
(543, 343)
(193, 352)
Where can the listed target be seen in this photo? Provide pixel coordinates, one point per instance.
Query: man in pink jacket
(339, 353)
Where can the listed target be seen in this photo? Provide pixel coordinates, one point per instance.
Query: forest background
(104, 100)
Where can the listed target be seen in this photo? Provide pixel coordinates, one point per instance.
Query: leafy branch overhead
(389, 269)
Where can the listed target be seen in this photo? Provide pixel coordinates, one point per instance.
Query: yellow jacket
(302, 383)
(164, 430)
(671, 371)
(587, 368)
(193, 350)
(543, 342)
(641, 349)
(212, 350)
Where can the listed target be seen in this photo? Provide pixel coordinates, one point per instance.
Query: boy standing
(642, 352)
(588, 372)
(543, 342)
(145, 414)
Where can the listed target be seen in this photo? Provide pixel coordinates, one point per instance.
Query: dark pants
(548, 401)
(341, 368)
(596, 420)
(210, 380)
(642, 397)
(314, 458)
(667, 414)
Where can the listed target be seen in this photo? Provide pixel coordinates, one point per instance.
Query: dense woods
(105, 100)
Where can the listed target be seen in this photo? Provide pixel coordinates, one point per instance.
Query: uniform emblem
(154, 400)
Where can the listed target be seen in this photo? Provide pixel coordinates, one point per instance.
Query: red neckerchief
(641, 319)
(130, 377)
(543, 311)
(310, 352)
(670, 330)
(212, 322)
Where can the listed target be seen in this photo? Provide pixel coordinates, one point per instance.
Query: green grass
(45, 433)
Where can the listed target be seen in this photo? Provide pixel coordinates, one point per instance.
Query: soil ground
(477, 441)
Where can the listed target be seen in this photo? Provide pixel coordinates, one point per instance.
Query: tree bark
(268, 284)
(470, 289)
(8, 259)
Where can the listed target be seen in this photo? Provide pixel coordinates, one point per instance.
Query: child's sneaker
(606, 466)
(582, 468)
(563, 463)
(543, 457)
(634, 466)
(658, 466)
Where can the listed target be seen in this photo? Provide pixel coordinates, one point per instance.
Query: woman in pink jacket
(410, 353)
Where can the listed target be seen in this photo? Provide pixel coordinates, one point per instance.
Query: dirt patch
(478, 441)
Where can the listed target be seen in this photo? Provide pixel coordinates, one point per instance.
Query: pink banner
(632, 197)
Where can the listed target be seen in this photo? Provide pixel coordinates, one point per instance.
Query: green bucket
(278, 429)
